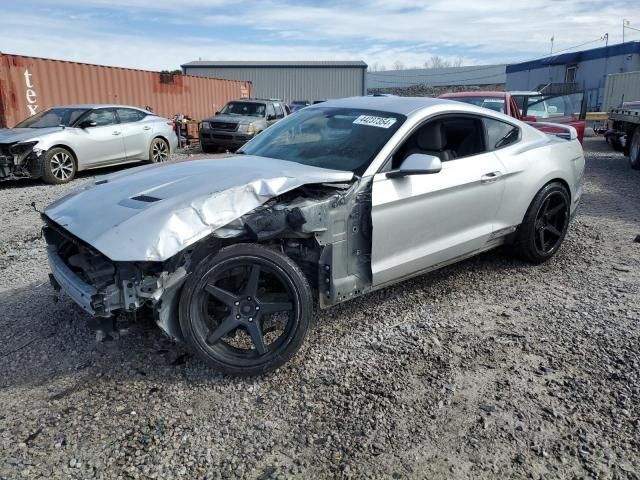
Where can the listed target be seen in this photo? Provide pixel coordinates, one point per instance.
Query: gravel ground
(488, 369)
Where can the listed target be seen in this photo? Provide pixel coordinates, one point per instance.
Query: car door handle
(146, 128)
(490, 177)
(115, 133)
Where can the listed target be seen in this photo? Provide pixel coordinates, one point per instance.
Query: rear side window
(500, 134)
(128, 115)
(271, 112)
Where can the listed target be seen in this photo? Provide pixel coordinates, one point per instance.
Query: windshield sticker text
(373, 121)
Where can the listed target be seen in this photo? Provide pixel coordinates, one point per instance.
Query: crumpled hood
(11, 135)
(150, 213)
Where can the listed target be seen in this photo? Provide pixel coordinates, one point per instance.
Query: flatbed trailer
(623, 132)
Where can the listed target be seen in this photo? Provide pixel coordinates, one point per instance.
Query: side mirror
(552, 109)
(87, 124)
(217, 113)
(417, 164)
(271, 117)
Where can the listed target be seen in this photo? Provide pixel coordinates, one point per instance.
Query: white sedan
(340, 199)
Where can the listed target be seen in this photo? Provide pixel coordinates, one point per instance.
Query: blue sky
(162, 34)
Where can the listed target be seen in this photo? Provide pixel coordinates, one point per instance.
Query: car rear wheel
(59, 166)
(545, 224)
(246, 309)
(634, 150)
(159, 151)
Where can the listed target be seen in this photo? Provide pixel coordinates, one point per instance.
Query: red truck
(532, 107)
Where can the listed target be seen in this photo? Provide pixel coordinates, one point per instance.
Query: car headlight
(249, 128)
(204, 126)
(23, 147)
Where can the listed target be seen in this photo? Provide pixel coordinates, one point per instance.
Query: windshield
(54, 117)
(246, 109)
(495, 104)
(337, 138)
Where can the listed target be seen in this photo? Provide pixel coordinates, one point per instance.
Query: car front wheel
(246, 309)
(59, 166)
(545, 224)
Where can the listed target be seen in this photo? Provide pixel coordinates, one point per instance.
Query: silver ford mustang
(338, 200)
(57, 143)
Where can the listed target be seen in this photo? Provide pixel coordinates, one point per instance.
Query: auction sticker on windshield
(374, 121)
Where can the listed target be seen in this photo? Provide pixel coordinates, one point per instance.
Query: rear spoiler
(566, 132)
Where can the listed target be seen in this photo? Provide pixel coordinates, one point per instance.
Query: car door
(102, 143)
(137, 132)
(421, 221)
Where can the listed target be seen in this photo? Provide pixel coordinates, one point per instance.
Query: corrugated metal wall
(621, 87)
(29, 85)
(292, 83)
(473, 75)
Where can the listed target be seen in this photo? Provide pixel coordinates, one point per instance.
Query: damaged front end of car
(20, 160)
(141, 256)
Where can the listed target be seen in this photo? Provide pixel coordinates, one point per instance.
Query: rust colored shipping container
(30, 84)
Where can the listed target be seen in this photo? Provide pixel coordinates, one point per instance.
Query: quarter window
(500, 134)
(102, 117)
(128, 115)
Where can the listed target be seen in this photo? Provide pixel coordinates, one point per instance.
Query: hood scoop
(146, 198)
(139, 201)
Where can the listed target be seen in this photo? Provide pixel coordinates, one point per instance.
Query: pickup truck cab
(531, 107)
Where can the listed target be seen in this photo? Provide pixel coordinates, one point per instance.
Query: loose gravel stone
(491, 368)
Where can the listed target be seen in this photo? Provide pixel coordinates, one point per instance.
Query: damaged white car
(340, 199)
(57, 143)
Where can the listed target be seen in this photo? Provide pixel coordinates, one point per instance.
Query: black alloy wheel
(551, 222)
(545, 224)
(246, 309)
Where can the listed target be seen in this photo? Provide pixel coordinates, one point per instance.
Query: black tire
(634, 150)
(59, 166)
(217, 306)
(545, 224)
(159, 150)
(208, 148)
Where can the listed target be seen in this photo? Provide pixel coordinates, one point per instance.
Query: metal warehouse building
(289, 81)
(588, 67)
(479, 75)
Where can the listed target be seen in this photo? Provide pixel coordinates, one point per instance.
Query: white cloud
(377, 31)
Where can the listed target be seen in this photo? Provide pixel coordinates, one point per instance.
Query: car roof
(400, 105)
(489, 94)
(102, 105)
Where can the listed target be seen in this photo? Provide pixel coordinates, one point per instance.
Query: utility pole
(625, 24)
(552, 39)
(606, 39)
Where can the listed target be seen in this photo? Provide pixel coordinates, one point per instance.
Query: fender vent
(146, 198)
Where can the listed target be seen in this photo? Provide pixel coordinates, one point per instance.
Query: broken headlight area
(22, 159)
(104, 288)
